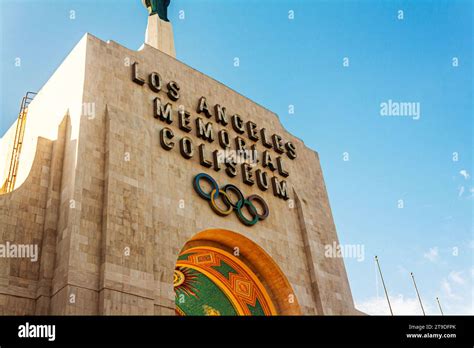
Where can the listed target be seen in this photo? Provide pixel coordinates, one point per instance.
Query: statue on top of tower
(159, 7)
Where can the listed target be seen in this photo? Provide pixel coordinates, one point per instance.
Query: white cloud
(400, 305)
(432, 254)
(457, 277)
(456, 292)
(465, 174)
(447, 290)
(461, 191)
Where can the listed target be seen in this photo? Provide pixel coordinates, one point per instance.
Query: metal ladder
(9, 184)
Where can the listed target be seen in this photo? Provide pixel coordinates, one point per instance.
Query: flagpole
(383, 283)
(418, 294)
(439, 305)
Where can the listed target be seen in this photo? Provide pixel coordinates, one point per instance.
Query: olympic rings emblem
(230, 206)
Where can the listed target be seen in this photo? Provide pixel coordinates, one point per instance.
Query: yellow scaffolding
(9, 184)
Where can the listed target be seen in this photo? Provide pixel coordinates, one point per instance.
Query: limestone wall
(142, 195)
(22, 223)
(31, 212)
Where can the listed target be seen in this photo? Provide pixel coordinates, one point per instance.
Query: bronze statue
(159, 7)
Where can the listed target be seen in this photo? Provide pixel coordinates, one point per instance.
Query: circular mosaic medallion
(178, 278)
(212, 281)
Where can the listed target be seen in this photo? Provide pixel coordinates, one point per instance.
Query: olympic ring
(214, 206)
(252, 211)
(213, 195)
(264, 205)
(209, 179)
(237, 191)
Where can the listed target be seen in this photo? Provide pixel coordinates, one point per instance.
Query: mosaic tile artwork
(211, 281)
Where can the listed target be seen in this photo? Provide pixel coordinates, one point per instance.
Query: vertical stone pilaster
(53, 202)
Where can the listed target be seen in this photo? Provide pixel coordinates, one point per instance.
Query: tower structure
(144, 184)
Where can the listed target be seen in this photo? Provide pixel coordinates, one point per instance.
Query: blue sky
(337, 110)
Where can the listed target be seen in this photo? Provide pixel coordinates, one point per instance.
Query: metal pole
(376, 281)
(418, 294)
(383, 283)
(439, 305)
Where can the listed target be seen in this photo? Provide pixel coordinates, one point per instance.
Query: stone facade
(111, 209)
